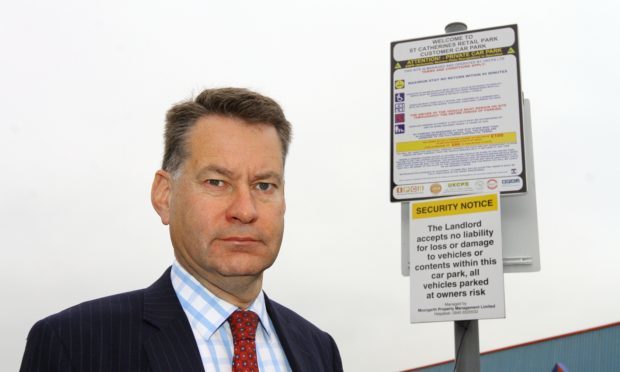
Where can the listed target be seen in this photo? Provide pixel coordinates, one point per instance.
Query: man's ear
(160, 195)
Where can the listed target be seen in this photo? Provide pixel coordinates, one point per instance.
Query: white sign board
(456, 259)
(456, 115)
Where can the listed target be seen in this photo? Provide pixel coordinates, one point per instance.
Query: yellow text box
(449, 207)
(452, 142)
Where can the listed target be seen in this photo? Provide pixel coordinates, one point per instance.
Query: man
(221, 191)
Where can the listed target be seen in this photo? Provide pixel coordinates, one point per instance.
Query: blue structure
(595, 349)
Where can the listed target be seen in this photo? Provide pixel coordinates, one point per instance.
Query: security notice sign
(456, 121)
(456, 259)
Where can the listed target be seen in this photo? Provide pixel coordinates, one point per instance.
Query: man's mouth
(240, 239)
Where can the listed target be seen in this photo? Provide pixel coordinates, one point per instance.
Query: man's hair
(239, 103)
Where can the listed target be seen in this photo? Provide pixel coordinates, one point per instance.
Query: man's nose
(242, 207)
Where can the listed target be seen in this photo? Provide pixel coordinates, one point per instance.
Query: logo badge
(492, 184)
(416, 189)
(399, 84)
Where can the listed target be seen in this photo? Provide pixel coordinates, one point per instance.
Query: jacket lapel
(171, 346)
(293, 342)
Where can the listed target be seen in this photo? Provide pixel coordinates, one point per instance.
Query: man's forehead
(231, 147)
(222, 130)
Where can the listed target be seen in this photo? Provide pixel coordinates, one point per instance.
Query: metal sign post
(466, 346)
(466, 337)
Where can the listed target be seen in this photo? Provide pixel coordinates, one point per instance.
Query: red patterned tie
(243, 327)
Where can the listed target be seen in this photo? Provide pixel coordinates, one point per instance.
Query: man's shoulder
(99, 335)
(117, 306)
(121, 305)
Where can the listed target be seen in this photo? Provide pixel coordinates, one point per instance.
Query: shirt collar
(205, 311)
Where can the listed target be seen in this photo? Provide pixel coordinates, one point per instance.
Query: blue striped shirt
(207, 315)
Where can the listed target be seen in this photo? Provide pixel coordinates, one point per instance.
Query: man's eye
(215, 183)
(264, 186)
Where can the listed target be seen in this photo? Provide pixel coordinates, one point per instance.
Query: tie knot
(243, 325)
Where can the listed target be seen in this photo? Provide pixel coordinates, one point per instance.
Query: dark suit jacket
(147, 330)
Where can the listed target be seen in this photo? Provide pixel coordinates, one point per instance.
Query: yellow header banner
(448, 207)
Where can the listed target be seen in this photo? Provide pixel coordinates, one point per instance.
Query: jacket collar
(292, 340)
(172, 346)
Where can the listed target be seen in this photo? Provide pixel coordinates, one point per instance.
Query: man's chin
(245, 264)
(243, 269)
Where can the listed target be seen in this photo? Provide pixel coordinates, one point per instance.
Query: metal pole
(466, 337)
(466, 346)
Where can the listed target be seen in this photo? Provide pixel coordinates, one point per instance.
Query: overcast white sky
(84, 86)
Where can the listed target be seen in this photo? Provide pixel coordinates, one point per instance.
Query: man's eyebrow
(212, 168)
(269, 175)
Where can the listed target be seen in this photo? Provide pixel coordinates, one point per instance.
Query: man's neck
(240, 291)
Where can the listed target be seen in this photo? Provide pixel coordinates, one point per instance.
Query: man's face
(226, 207)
